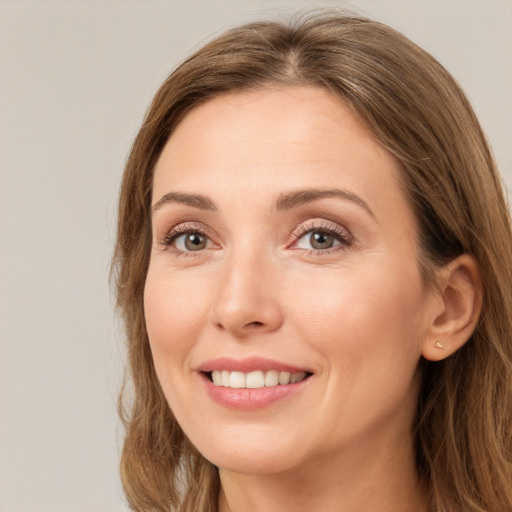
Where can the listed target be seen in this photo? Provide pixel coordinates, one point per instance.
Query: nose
(247, 301)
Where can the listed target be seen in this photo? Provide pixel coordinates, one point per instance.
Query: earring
(439, 345)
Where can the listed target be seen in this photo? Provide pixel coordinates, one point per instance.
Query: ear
(458, 302)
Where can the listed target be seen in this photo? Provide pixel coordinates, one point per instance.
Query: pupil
(194, 242)
(321, 240)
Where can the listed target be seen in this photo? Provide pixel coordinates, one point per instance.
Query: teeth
(255, 380)
(271, 378)
(285, 378)
(297, 377)
(237, 380)
(217, 378)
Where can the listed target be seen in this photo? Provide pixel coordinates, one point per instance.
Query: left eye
(317, 240)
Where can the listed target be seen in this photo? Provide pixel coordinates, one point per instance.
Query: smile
(252, 383)
(255, 379)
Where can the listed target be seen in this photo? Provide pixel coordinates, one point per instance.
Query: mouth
(252, 383)
(255, 379)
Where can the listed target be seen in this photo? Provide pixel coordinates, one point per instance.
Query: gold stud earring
(439, 345)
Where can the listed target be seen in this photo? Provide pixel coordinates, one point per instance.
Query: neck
(378, 476)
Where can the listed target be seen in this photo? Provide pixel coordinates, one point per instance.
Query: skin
(357, 315)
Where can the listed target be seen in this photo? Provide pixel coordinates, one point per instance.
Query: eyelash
(341, 235)
(183, 229)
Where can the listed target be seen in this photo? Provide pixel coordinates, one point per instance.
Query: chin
(249, 464)
(254, 455)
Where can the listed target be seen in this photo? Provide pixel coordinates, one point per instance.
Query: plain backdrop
(75, 80)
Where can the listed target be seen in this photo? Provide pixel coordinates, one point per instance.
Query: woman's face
(283, 244)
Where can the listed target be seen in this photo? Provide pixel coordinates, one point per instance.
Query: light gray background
(75, 79)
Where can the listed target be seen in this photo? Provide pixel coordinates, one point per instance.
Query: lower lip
(250, 399)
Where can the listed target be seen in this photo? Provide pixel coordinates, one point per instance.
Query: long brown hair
(417, 112)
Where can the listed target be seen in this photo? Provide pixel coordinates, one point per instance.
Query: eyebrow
(285, 201)
(293, 199)
(194, 200)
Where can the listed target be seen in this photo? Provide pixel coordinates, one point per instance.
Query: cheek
(367, 324)
(172, 309)
(367, 328)
(358, 301)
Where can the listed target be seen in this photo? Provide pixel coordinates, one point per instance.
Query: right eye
(190, 242)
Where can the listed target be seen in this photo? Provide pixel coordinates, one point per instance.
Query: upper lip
(248, 364)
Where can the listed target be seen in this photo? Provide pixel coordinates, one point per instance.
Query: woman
(314, 267)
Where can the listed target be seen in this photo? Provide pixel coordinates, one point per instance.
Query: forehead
(269, 117)
(274, 140)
